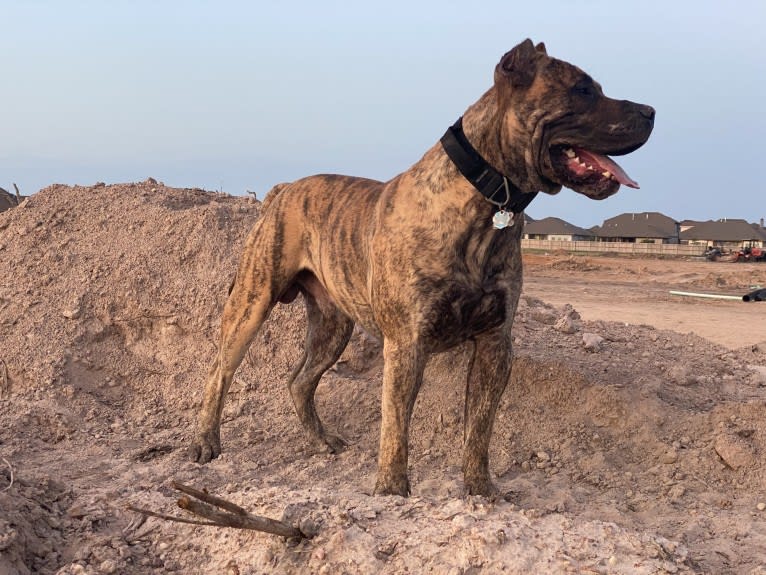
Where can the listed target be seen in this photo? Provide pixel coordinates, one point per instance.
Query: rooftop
(555, 226)
(641, 225)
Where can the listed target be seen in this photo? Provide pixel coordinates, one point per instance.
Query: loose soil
(631, 437)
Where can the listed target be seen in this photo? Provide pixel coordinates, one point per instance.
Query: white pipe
(707, 295)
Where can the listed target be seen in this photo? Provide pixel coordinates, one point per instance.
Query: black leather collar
(494, 186)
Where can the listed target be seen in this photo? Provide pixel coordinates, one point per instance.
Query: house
(555, 229)
(724, 233)
(645, 227)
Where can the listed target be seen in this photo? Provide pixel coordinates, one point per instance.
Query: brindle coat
(416, 261)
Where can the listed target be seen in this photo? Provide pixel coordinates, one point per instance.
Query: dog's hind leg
(246, 309)
(327, 335)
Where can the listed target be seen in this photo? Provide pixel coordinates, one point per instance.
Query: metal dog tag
(502, 219)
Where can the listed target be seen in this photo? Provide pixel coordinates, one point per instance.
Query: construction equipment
(750, 253)
(713, 253)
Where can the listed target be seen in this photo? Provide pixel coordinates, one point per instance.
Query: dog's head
(565, 124)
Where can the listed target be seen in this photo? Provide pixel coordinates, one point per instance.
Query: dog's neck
(483, 126)
(490, 183)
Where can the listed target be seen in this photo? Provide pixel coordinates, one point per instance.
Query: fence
(676, 250)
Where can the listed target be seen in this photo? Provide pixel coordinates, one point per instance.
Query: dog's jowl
(430, 258)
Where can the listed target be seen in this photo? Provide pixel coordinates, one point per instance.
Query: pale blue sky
(239, 96)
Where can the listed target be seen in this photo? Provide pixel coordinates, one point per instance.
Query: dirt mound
(572, 263)
(732, 280)
(640, 452)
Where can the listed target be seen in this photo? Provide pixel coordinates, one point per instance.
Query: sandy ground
(637, 291)
(623, 444)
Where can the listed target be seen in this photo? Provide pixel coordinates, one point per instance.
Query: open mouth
(584, 170)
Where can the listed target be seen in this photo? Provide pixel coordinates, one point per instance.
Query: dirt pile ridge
(640, 453)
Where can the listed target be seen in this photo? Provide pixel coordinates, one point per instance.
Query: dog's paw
(205, 448)
(481, 486)
(334, 443)
(392, 486)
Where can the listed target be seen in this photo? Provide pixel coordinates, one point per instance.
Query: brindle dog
(417, 261)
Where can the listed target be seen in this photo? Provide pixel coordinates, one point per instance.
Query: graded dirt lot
(624, 443)
(637, 291)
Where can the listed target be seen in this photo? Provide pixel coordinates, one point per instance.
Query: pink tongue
(606, 164)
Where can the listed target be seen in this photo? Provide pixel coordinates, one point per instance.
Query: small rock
(108, 566)
(386, 550)
(676, 492)
(73, 312)
(82, 553)
(463, 521)
(571, 312)
(734, 450)
(680, 375)
(543, 316)
(543, 456)
(309, 527)
(761, 506)
(565, 324)
(670, 456)
(592, 341)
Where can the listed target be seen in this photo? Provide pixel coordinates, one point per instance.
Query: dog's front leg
(487, 377)
(402, 376)
(207, 444)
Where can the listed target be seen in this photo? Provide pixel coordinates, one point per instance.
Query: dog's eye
(584, 90)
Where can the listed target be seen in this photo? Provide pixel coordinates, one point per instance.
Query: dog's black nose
(647, 112)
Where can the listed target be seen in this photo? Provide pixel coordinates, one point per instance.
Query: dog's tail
(273, 193)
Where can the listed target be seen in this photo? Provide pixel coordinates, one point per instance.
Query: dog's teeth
(607, 174)
(577, 159)
(570, 153)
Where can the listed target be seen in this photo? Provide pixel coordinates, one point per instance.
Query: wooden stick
(232, 515)
(207, 498)
(150, 513)
(223, 519)
(18, 194)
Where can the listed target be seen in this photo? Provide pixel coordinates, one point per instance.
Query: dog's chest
(477, 291)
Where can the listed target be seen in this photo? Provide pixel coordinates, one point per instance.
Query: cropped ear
(541, 48)
(519, 65)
